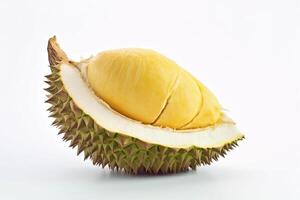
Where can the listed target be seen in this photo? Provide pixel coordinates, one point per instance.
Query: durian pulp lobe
(85, 99)
(146, 86)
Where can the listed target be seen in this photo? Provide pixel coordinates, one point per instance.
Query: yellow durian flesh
(185, 99)
(209, 113)
(146, 86)
(133, 82)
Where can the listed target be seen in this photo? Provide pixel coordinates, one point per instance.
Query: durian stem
(55, 54)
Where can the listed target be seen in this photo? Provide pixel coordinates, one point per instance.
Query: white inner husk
(85, 99)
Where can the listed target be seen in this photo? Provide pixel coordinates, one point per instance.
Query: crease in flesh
(199, 109)
(175, 84)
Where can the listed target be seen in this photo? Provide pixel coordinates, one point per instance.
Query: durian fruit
(136, 111)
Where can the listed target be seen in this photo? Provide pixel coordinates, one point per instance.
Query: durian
(134, 110)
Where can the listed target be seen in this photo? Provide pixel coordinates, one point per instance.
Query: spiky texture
(118, 151)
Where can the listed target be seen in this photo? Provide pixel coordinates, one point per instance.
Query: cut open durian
(94, 105)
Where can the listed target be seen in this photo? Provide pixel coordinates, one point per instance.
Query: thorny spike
(55, 54)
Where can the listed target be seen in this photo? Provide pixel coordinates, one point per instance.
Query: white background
(247, 52)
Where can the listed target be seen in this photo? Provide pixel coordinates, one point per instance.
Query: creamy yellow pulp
(148, 87)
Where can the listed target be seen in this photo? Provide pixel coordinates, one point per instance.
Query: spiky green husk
(117, 151)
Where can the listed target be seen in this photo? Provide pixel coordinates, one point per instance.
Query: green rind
(117, 151)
